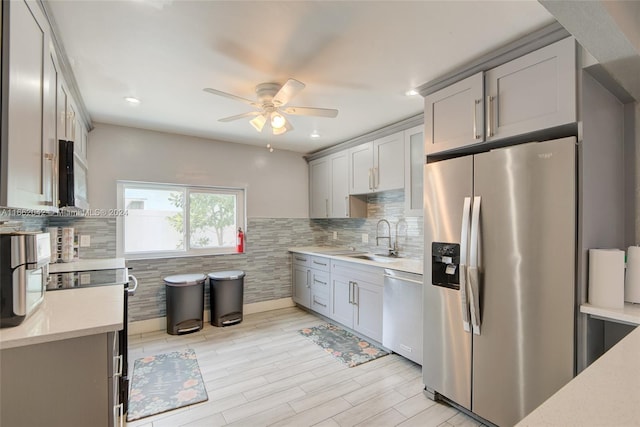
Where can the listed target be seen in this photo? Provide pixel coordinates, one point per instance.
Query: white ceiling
(356, 56)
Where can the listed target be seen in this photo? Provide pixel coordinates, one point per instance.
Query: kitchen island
(58, 368)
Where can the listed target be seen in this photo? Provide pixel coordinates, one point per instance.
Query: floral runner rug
(164, 382)
(344, 346)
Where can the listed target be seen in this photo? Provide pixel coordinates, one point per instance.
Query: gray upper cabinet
(361, 169)
(26, 151)
(454, 115)
(413, 167)
(377, 165)
(319, 188)
(535, 91)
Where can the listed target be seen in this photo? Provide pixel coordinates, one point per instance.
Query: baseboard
(160, 323)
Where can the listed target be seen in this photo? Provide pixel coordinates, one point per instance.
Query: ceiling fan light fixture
(258, 122)
(277, 121)
(287, 127)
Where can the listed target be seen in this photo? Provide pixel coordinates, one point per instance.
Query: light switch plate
(365, 238)
(85, 240)
(335, 235)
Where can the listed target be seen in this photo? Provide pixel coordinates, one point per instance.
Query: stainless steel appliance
(500, 251)
(402, 314)
(104, 277)
(72, 178)
(24, 262)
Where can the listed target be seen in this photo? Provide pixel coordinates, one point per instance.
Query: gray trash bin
(185, 303)
(226, 290)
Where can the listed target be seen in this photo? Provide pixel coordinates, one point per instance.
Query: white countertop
(87, 264)
(629, 314)
(607, 393)
(401, 264)
(69, 313)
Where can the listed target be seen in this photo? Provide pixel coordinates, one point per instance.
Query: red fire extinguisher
(240, 240)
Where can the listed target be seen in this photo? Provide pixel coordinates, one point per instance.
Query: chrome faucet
(396, 248)
(388, 236)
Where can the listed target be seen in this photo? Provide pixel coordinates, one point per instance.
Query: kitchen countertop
(87, 264)
(607, 393)
(401, 264)
(67, 314)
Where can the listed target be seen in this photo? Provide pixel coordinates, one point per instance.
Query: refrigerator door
(446, 366)
(525, 350)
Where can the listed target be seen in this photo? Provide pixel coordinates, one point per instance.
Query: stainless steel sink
(375, 257)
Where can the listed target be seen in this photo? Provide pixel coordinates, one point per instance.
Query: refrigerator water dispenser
(445, 265)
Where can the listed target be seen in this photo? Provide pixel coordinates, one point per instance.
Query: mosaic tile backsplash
(267, 262)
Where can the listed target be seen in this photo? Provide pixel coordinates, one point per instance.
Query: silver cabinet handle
(308, 278)
(319, 303)
(300, 259)
(319, 263)
(118, 414)
(370, 176)
(50, 157)
(346, 206)
(376, 177)
(326, 207)
(489, 115)
(475, 118)
(356, 294)
(117, 361)
(319, 281)
(350, 292)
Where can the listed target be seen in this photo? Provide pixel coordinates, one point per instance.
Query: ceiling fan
(272, 99)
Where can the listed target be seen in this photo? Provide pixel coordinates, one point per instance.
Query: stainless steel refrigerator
(499, 277)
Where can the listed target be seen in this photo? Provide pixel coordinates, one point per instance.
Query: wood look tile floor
(262, 372)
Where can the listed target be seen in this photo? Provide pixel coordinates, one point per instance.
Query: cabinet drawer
(300, 259)
(320, 303)
(320, 282)
(320, 263)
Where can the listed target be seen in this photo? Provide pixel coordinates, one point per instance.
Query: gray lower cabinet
(310, 276)
(63, 383)
(356, 298)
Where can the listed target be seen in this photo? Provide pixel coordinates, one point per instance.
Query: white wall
(276, 183)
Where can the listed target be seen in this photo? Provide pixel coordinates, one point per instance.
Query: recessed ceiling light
(411, 92)
(131, 100)
(315, 134)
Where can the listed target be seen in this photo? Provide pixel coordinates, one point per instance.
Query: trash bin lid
(185, 279)
(226, 275)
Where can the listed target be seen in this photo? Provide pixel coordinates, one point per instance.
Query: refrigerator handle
(464, 247)
(472, 273)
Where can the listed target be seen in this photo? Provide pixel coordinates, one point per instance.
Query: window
(164, 220)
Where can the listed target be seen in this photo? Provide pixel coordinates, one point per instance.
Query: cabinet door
(25, 143)
(454, 116)
(388, 162)
(341, 307)
(368, 313)
(536, 91)
(49, 131)
(339, 203)
(301, 285)
(319, 188)
(414, 161)
(361, 169)
(62, 102)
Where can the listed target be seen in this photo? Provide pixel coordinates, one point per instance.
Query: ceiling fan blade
(309, 111)
(258, 122)
(230, 96)
(239, 116)
(288, 91)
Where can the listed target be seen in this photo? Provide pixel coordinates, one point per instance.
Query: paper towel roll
(632, 278)
(606, 278)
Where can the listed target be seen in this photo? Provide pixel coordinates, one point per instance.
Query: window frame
(186, 189)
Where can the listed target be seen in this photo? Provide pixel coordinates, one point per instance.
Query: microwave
(24, 271)
(72, 178)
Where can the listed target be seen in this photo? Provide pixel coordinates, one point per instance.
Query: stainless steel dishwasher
(402, 314)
